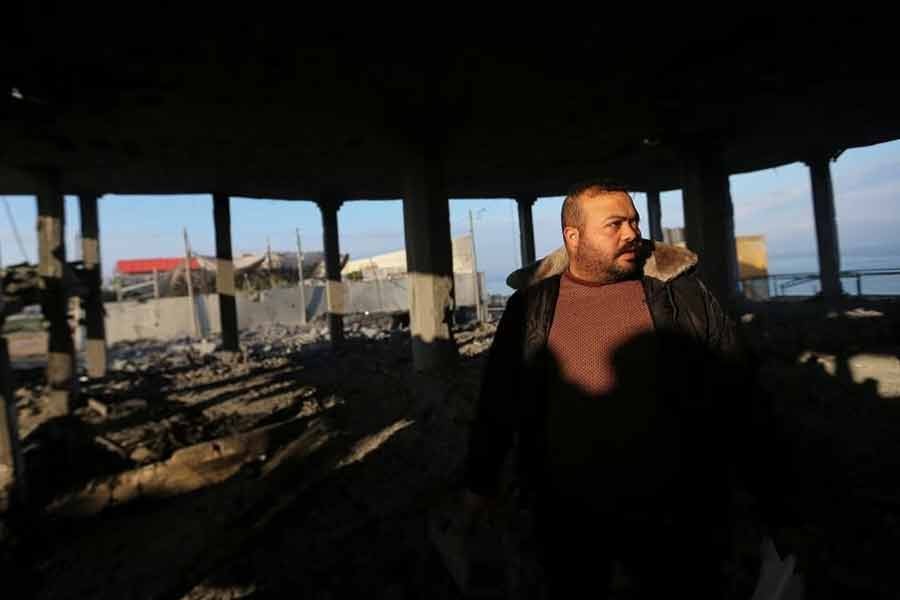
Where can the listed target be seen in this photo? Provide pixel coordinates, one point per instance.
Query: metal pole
(269, 261)
(378, 286)
(475, 268)
(190, 285)
(300, 278)
(204, 278)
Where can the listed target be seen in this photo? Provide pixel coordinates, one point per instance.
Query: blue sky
(775, 202)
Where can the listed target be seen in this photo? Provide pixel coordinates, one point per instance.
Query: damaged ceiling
(290, 110)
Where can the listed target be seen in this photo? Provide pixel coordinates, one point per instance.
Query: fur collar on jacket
(663, 262)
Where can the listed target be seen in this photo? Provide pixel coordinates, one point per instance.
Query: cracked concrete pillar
(95, 348)
(12, 476)
(225, 273)
(826, 227)
(709, 220)
(654, 215)
(526, 228)
(429, 264)
(329, 206)
(54, 297)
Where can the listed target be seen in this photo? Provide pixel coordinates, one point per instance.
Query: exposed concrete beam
(654, 215)
(709, 220)
(329, 206)
(225, 273)
(526, 228)
(429, 262)
(95, 348)
(54, 296)
(826, 227)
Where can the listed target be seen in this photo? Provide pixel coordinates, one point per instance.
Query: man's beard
(599, 267)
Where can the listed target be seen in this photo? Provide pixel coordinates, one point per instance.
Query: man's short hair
(571, 215)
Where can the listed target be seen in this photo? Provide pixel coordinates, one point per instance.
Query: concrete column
(225, 273)
(654, 215)
(709, 221)
(54, 298)
(526, 228)
(826, 227)
(329, 206)
(429, 263)
(95, 348)
(12, 476)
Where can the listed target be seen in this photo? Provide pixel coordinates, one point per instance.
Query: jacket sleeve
(496, 417)
(757, 449)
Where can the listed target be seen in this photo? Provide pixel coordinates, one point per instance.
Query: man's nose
(631, 232)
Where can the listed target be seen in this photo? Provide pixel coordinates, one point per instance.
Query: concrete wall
(281, 305)
(170, 318)
(165, 318)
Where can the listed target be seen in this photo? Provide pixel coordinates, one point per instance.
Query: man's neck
(582, 280)
(590, 279)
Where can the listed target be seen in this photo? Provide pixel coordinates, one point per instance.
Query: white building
(392, 264)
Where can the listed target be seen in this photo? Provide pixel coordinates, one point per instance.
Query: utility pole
(269, 262)
(190, 285)
(300, 279)
(475, 269)
(381, 305)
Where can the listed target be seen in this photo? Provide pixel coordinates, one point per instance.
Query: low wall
(170, 318)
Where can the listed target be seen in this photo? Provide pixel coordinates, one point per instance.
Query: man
(623, 384)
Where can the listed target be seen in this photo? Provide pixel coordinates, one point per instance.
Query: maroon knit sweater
(591, 321)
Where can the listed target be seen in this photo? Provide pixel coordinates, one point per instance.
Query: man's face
(606, 246)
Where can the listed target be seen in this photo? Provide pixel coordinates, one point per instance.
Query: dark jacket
(705, 383)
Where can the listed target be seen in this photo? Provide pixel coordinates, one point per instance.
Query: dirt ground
(348, 518)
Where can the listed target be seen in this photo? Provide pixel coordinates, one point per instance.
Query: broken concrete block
(142, 455)
(111, 446)
(204, 347)
(132, 404)
(98, 407)
(194, 467)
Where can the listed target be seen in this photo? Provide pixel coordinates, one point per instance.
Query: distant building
(251, 271)
(146, 266)
(281, 262)
(752, 256)
(393, 264)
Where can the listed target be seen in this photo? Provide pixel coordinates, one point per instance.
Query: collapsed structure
(352, 115)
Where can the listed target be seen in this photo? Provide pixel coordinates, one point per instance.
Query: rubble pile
(475, 338)
(786, 330)
(297, 469)
(392, 443)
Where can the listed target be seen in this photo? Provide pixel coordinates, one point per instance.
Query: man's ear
(570, 237)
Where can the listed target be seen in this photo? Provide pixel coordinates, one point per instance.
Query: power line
(12, 223)
(512, 226)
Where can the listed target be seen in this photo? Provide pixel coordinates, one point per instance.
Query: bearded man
(624, 387)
